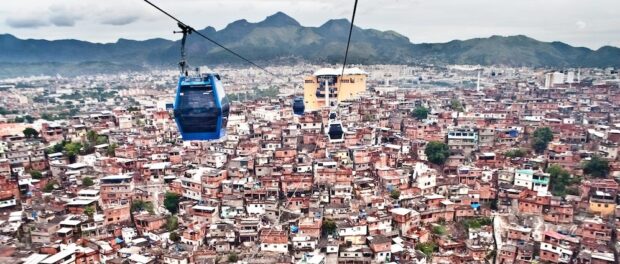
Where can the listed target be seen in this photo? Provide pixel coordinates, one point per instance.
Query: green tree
(37, 175)
(29, 119)
(329, 226)
(87, 182)
(30, 132)
(395, 194)
(420, 113)
(232, 257)
(72, 149)
(514, 153)
(477, 222)
(541, 138)
(439, 230)
(596, 167)
(139, 205)
(101, 140)
(92, 135)
(427, 248)
(172, 223)
(456, 105)
(58, 147)
(560, 179)
(112, 149)
(133, 109)
(171, 202)
(174, 237)
(437, 152)
(544, 133)
(89, 211)
(49, 187)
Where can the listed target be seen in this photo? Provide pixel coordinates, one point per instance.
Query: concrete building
(340, 87)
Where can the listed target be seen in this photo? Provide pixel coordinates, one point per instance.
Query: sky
(587, 23)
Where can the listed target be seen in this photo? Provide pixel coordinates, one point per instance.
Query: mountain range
(281, 39)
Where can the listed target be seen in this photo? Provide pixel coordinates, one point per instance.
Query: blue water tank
(513, 133)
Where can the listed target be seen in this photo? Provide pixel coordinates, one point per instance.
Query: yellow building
(340, 87)
(602, 203)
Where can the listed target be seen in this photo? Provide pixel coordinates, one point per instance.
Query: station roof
(338, 72)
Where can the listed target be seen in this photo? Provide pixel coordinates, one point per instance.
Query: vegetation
(270, 92)
(395, 194)
(30, 132)
(437, 152)
(94, 138)
(24, 119)
(232, 257)
(427, 248)
(329, 226)
(112, 149)
(49, 187)
(477, 222)
(70, 148)
(133, 109)
(172, 223)
(73, 149)
(89, 211)
(515, 153)
(439, 230)
(420, 113)
(37, 175)
(596, 167)
(139, 205)
(541, 138)
(171, 202)
(66, 113)
(4, 111)
(456, 105)
(390, 47)
(560, 180)
(174, 237)
(87, 182)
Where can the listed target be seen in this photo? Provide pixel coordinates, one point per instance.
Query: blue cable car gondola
(335, 132)
(298, 106)
(201, 106)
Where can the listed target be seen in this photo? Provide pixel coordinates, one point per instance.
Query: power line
(346, 53)
(209, 39)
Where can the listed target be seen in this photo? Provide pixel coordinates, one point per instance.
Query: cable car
(298, 105)
(200, 107)
(335, 132)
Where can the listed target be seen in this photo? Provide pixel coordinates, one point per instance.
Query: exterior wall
(524, 178)
(352, 86)
(117, 214)
(602, 208)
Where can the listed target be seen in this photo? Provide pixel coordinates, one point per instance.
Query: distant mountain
(281, 38)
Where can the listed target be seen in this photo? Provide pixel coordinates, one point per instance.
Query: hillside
(281, 38)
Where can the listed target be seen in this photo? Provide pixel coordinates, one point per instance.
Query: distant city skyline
(590, 24)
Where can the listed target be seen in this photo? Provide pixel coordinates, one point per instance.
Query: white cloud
(581, 25)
